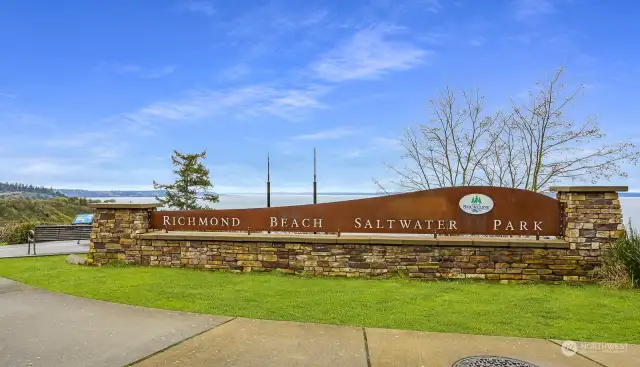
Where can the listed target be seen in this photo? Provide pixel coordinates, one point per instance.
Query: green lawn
(587, 313)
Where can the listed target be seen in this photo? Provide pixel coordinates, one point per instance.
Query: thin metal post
(268, 181)
(315, 182)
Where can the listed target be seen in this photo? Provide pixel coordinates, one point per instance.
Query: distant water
(631, 211)
(630, 205)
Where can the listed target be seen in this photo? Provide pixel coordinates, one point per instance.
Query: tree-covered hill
(20, 190)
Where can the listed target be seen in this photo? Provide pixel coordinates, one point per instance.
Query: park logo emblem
(476, 204)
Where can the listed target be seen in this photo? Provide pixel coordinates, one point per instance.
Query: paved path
(259, 343)
(42, 328)
(46, 248)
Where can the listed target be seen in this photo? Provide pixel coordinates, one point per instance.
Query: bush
(15, 232)
(621, 262)
(5, 231)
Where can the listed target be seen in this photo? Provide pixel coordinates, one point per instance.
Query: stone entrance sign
(135, 233)
(449, 211)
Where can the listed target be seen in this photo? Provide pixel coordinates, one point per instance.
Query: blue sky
(96, 94)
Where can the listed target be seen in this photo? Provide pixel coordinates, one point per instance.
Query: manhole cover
(491, 361)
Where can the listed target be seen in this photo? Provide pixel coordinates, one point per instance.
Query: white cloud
(432, 6)
(137, 70)
(368, 55)
(293, 104)
(273, 21)
(288, 103)
(385, 143)
(75, 140)
(436, 37)
(477, 41)
(96, 167)
(46, 168)
(274, 28)
(336, 133)
(525, 38)
(356, 153)
(376, 144)
(196, 6)
(526, 9)
(159, 72)
(235, 72)
(27, 122)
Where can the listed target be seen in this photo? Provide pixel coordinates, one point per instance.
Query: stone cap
(589, 188)
(125, 205)
(381, 240)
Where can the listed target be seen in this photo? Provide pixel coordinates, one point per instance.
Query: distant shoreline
(132, 194)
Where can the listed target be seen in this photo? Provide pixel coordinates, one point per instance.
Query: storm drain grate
(491, 361)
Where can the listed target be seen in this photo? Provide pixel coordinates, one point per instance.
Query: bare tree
(450, 149)
(532, 146)
(556, 149)
(504, 165)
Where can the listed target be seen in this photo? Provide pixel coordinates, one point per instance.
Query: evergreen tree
(192, 177)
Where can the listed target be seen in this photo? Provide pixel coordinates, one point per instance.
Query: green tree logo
(476, 200)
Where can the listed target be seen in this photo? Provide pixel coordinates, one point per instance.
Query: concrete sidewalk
(260, 343)
(46, 248)
(42, 328)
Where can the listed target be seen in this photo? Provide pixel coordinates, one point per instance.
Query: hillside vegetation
(18, 215)
(53, 211)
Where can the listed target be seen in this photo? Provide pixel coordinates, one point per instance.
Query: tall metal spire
(315, 182)
(268, 181)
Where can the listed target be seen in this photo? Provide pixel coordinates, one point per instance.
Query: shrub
(20, 233)
(621, 262)
(15, 232)
(6, 229)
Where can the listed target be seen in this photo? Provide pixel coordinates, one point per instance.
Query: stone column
(593, 217)
(116, 228)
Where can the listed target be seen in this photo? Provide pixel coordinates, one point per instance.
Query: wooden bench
(58, 232)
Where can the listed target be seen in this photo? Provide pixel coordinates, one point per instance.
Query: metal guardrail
(57, 232)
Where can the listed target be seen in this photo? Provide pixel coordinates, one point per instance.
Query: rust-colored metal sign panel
(456, 210)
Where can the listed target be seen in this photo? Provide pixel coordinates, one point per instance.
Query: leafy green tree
(192, 178)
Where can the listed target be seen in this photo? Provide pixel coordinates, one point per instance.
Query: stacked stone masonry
(115, 232)
(352, 260)
(592, 219)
